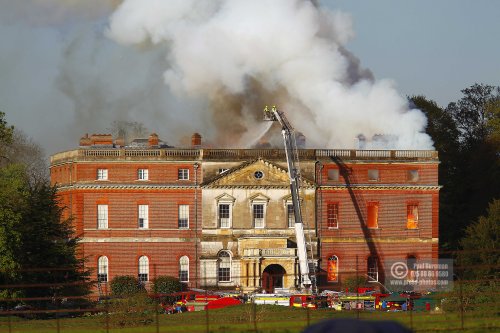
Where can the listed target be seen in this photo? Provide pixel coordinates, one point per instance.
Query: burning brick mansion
(223, 218)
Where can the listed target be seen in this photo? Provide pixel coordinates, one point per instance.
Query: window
(143, 174)
(290, 216)
(372, 221)
(332, 215)
(333, 269)
(143, 216)
(333, 174)
(224, 216)
(412, 175)
(224, 206)
(373, 175)
(412, 216)
(372, 267)
(143, 269)
(184, 269)
(224, 269)
(258, 174)
(102, 216)
(258, 215)
(183, 216)
(102, 269)
(183, 174)
(411, 263)
(102, 174)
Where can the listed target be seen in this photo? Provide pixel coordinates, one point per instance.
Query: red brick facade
(392, 181)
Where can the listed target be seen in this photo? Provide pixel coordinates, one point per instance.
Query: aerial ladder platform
(287, 131)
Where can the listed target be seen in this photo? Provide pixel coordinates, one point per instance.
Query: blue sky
(429, 47)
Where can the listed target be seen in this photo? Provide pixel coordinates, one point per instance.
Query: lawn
(249, 318)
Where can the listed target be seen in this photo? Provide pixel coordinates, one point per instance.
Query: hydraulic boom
(274, 114)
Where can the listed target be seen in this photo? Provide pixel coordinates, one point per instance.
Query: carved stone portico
(261, 253)
(261, 241)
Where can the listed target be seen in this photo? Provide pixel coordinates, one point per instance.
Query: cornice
(124, 187)
(382, 187)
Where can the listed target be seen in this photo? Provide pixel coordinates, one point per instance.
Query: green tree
(53, 252)
(442, 129)
(471, 114)
(37, 246)
(5, 134)
(480, 258)
(493, 123)
(13, 201)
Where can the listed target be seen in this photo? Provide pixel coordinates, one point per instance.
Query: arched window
(411, 262)
(333, 269)
(372, 267)
(184, 269)
(143, 269)
(102, 269)
(224, 269)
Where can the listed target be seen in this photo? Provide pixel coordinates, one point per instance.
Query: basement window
(142, 174)
(412, 175)
(373, 175)
(183, 174)
(333, 174)
(102, 174)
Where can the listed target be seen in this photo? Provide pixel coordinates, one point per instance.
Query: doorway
(272, 277)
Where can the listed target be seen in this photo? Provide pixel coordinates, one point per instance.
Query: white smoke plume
(240, 55)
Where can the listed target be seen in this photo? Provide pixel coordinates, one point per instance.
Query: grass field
(249, 318)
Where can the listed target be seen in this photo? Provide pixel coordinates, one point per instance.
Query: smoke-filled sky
(338, 69)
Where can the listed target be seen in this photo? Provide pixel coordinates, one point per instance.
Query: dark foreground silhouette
(356, 326)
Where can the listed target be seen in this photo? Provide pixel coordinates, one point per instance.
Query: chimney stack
(153, 140)
(300, 140)
(85, 141)
(196, 140)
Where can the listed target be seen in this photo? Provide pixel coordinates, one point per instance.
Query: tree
(37, 246)
(5, 134)
(13, 201)
(23, 150)
(442, 129)
(470, 112)
(493, 123)
(481, 256)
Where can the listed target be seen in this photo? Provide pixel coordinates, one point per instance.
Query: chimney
(196, 140)
(120, 142)
(153, 140)
(361, 141)
(101, 139)
(300, 140)
(85, 141)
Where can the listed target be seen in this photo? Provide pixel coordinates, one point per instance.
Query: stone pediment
(225, 198)
(255, 174)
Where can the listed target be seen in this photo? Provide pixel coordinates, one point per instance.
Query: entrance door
(272, 277)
